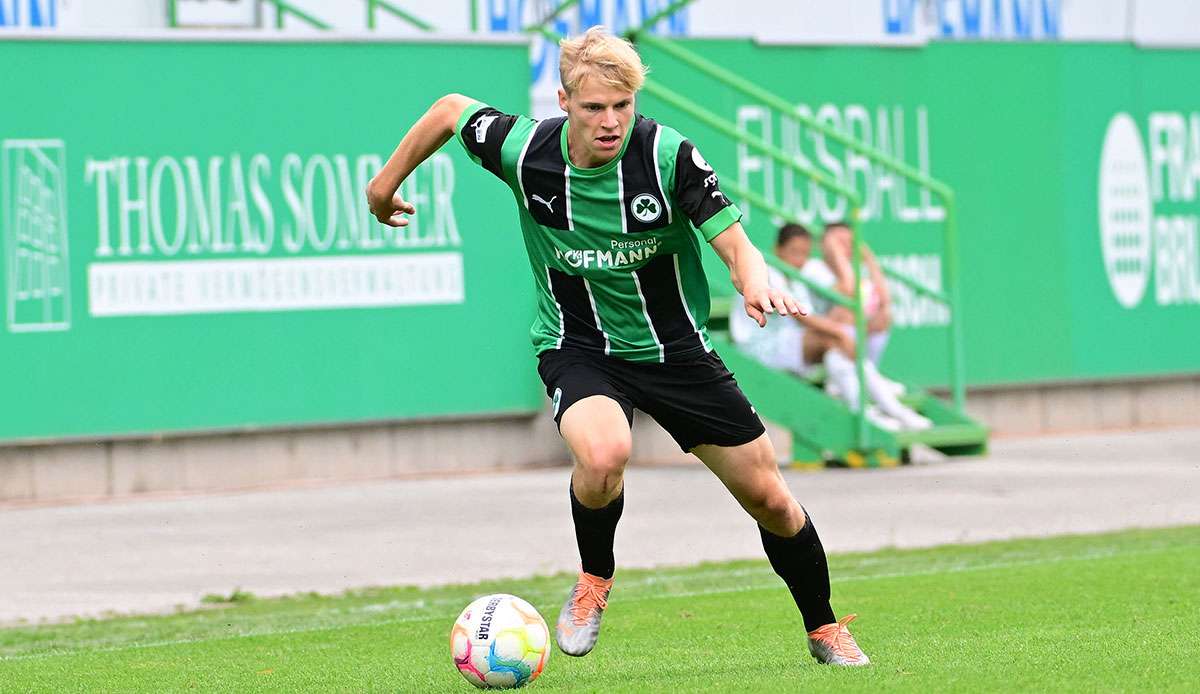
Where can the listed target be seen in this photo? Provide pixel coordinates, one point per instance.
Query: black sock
(595, 529)
(800, 562)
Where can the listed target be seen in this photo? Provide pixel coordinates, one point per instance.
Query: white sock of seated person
(841, 371)
(876, 343)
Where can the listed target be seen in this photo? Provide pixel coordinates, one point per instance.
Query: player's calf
(800, 562)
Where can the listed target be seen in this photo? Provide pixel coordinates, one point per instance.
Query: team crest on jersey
(645, 208)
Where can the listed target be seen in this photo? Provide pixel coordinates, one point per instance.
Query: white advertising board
(1152, 23)
(217, 13)
(1166, 23)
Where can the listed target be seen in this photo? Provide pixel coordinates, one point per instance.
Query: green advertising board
(187, 247)
(1076, 169)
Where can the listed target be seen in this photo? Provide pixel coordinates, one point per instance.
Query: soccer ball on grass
(500, 642)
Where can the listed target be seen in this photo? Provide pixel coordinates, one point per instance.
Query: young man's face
(795, 251)
(599, 117)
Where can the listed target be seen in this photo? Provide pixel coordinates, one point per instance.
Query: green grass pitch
(1114, 612)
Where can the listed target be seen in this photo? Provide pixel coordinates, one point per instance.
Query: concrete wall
(1088, 406)
(194, 463)
(214, 462)
(1017, 411)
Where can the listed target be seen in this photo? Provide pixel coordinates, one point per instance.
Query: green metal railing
(374, 5)
(543, 26)
(951, 296)
(284, 9)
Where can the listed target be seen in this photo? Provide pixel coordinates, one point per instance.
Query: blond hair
(598, 54)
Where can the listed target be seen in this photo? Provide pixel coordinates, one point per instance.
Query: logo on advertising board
(1125, 211)
(256, 232)
(1143, 195)
(224, 234)
(33, 227)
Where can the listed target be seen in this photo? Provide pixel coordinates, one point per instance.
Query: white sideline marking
(645, 582)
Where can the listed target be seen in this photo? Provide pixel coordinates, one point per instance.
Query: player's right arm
(425, 137)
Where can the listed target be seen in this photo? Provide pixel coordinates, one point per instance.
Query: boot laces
(591, 595)
(839, 639)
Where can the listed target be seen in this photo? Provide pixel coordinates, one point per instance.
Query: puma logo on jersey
(548, 203)
(481, 127)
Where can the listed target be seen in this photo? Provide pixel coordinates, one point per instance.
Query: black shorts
(697, 402)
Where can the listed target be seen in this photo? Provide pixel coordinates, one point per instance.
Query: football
(500, 642)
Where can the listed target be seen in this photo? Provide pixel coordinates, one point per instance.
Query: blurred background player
(607, 201)
(824, 336)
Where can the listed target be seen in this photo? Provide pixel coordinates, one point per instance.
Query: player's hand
(763, 300)
(389, 209)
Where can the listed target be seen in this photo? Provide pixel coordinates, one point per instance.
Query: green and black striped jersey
(613, 249)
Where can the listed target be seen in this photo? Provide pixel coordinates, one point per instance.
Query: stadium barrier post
(951, 278)
(860, 325)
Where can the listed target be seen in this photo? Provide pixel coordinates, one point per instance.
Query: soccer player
(610, 203)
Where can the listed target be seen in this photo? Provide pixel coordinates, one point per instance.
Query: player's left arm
(748, 271)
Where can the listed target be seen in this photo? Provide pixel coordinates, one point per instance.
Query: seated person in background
(791, 345)
(797, 345)
(836, 247)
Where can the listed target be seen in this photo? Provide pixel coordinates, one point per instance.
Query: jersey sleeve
(698, 193)
(482, 130)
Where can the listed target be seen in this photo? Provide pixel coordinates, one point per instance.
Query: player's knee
(606, 456)
(774, 509)
(778, 506)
